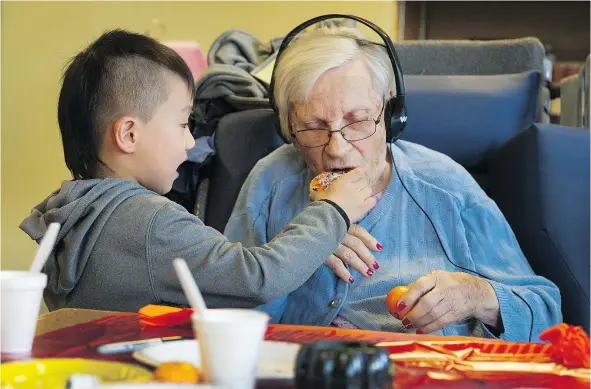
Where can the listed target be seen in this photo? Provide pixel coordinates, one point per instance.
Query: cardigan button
(334, 303)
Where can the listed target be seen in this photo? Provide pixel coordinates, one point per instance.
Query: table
(67, 317)
(75, 333)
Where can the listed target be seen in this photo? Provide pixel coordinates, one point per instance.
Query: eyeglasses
(352, 132)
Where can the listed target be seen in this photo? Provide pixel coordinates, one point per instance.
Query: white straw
(45, 247)
(189, 286)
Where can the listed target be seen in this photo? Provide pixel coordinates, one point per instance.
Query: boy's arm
(497, 255)
(230, 274)
(249, 220)
(249, 225)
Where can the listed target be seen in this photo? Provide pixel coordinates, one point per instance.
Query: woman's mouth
(344, 169)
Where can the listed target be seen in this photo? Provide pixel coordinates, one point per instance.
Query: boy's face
(165, 140)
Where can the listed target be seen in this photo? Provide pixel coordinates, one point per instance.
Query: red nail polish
(406, 322)
(401, 306)
(376, 265)
(379, 247)
(419, 332)
(351, 280)
(370, 272)
(396, 316)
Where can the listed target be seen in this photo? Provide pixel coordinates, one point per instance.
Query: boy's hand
(351, 192)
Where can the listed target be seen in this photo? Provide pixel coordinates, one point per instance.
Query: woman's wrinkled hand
(355, 251)
(441, 298)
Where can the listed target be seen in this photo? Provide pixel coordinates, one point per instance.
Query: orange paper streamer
(570, 345)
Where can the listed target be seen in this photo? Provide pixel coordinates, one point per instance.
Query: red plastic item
(163, 316)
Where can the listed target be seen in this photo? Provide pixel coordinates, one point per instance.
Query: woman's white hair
(313, 54)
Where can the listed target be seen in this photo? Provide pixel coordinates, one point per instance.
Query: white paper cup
(229, 343)
(21, 294)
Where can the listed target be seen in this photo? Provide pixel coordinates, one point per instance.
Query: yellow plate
(53, 373)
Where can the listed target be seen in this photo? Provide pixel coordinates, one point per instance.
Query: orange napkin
(164, 316)
(570, 345)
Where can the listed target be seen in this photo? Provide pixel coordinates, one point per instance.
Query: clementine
(180, 372)
(393, 298)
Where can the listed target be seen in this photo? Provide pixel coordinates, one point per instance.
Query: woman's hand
(355, 251)
(441, 298)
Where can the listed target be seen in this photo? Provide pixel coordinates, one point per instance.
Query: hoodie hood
(82, 207)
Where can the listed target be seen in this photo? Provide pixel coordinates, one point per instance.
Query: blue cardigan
(472, 228)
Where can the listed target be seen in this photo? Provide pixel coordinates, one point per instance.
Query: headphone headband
(382, 34)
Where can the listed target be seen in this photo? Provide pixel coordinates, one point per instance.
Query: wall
(39, 37)
(562, 24)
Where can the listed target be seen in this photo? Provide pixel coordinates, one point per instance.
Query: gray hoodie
(118, 240)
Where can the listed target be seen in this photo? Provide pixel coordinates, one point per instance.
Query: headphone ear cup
(394, 118)
(388, 120)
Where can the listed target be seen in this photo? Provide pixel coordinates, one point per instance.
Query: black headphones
(394, 108)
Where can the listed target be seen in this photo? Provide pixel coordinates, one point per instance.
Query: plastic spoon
(189, 286)
(45, 247)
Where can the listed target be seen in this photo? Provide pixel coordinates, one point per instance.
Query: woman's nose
(337, 145)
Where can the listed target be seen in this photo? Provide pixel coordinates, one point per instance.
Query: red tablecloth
(420, 362)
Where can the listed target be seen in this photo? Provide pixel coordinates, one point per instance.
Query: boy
(123, 111)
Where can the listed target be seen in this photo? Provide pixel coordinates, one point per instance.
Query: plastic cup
(21, 294)
(229, 343)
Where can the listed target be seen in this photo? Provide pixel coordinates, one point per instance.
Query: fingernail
(406, 323)
(379, 247)
(370, 272)
(396, 316)
(401, 306)
(419, 332)
(376, 265)
(377, 197)
(351, 280)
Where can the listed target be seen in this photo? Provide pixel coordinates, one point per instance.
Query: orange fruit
(393, 297)
(180, 372)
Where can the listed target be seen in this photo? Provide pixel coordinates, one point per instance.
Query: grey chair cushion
(468, 57)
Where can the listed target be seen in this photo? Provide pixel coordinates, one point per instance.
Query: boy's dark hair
(121, 73)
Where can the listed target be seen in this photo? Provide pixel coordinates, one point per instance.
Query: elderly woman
(330, 92)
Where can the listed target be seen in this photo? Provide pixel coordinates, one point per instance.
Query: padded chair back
(574, 98)
(473, 57)
(241, 139)
(540, 180)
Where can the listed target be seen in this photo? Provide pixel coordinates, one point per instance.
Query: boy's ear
(125, 133)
